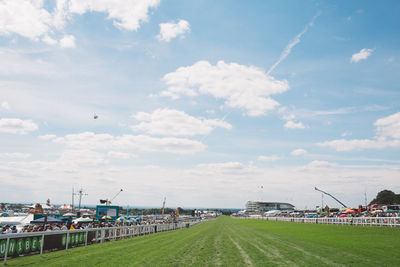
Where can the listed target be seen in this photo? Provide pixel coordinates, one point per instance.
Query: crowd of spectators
(362, 215)
(7, 229)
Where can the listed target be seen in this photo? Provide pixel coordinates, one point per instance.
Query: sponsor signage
(107, 211)
(30, 245)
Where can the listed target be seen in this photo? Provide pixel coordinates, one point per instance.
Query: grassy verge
(232, 242)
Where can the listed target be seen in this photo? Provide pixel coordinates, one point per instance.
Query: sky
(207, 103)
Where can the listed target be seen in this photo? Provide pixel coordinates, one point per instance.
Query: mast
(163, 207)
(80, 194)
(72, 210)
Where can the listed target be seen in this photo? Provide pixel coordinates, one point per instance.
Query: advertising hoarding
(108, 211)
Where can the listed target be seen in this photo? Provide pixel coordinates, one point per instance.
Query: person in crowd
(8, 230)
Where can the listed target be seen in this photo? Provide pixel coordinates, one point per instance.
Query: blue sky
(202, 102)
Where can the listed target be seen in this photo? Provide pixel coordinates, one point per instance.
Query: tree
(386, 197)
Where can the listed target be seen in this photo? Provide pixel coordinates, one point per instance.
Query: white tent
(82, 220)
(44, 206)
(16, 220)
(69, 214)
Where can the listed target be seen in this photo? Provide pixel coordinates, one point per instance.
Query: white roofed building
(252, 206)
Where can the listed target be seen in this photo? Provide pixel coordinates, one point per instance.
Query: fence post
(41, 245)
(86, 236)
(66, 241)
(6, 251)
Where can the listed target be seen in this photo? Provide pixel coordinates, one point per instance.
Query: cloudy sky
(209, 103)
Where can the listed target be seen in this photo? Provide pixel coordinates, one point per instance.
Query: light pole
(80, 193)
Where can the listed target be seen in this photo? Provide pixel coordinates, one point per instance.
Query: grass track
(233, 242)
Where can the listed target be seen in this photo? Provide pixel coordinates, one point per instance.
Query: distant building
(267, 206)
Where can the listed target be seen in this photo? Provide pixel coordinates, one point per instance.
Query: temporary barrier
(14, 245)
(367, 221)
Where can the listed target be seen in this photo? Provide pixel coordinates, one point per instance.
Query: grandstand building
(267, 206)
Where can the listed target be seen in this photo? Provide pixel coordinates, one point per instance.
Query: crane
(163, 207)
(108, 202)
(331, 196)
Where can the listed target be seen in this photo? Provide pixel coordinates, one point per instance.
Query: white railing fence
(366, 221)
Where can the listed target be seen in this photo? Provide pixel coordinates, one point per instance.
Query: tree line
(386, 197)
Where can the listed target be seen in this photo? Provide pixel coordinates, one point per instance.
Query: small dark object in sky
(95, 116)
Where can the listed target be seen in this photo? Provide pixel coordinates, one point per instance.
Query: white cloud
(317, 165)
(47, 137)
(268, 158)
(17, 126)
(389, 126)
(27, 18)
(126, 14)
(15, 62)
(360, 144)
(298, 152)
(82, 157)
(233, 183)
(243, 87)
(15, 155)
(170, 122)
(346, 133)
(5, 105)
(152, 167)
(290, 119)
(120, 155)
(167, 144)
(170, 30)
(53, 103)
(69, 161)
(89, 140)
(225, 167)
(48, 40)
(363, 54)
(321, 163)
(388, 135)
(294, 125)
(61, 14)
(288, 116)
(30, 19)
(68, 41)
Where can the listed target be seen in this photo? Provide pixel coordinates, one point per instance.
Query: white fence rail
(12, 245)
(366, 221)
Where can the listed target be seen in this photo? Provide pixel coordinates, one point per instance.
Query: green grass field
(234, 242)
